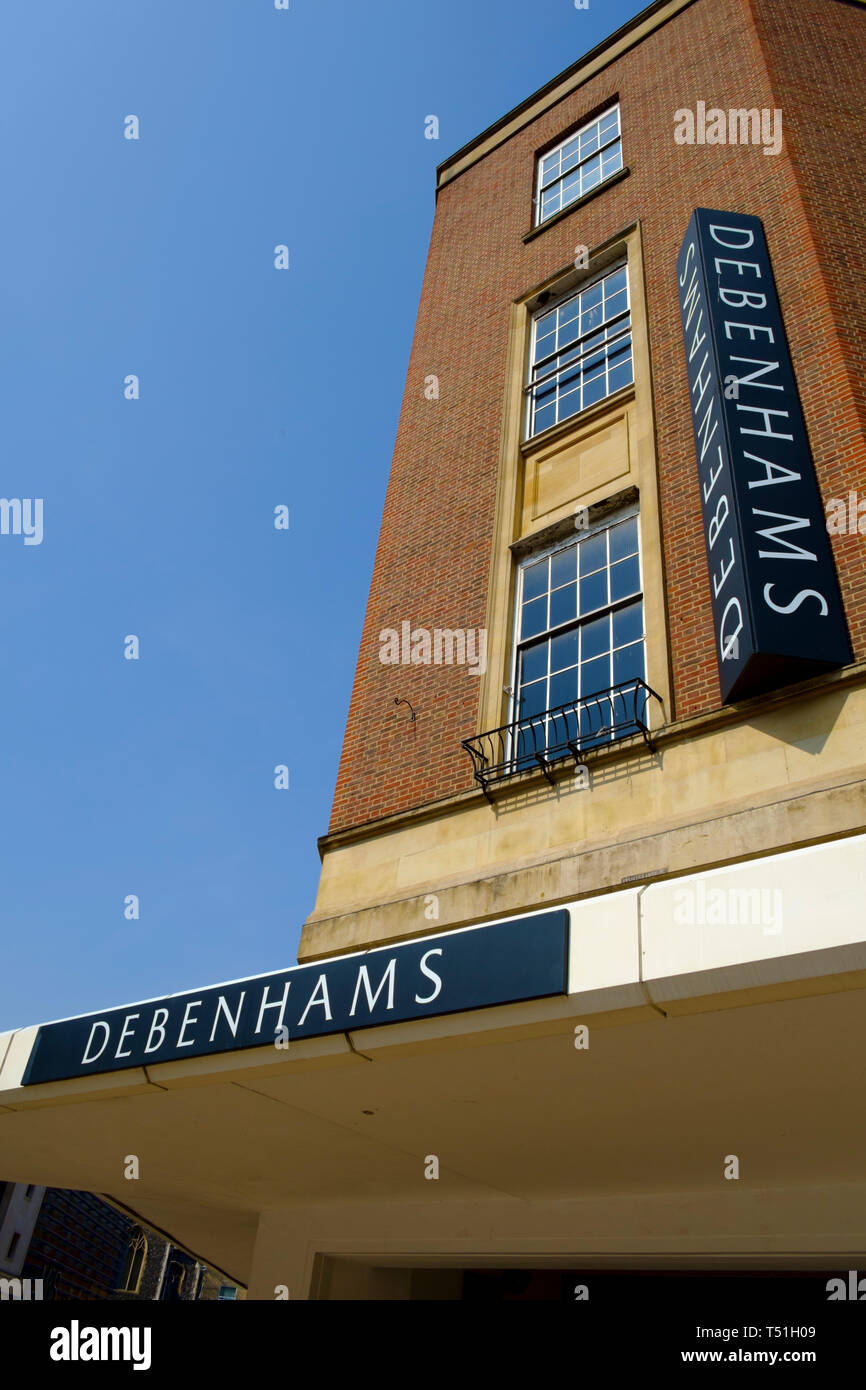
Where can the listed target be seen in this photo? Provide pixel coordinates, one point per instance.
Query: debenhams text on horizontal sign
(777, 609)
(471, 968)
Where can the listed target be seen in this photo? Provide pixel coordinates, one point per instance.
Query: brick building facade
(582, 991)
(79, 1247)
(433, 560)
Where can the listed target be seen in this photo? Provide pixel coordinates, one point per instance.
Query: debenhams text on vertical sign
(470, 968)
(777, 609)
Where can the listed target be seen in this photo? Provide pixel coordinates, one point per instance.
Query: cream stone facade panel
(843, 753)
(809, 900)
(605, 944)
(738, 833)
(578, 470)
(444, 861)
(749, 1226)
(688, 782)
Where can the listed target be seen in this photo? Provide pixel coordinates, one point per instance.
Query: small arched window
(133, 1265)
(172, 1289)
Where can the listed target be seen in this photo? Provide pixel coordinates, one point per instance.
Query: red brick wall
(435, 543)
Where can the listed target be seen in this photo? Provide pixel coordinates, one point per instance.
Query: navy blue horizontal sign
(467, 969)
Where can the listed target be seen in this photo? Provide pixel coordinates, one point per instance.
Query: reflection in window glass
(580, 163)
(581, 352)
(581, 632)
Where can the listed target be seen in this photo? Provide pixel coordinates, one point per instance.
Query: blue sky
(258, 387)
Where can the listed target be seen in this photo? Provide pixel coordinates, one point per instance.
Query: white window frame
(579, 166)
(529, 423)
(632, 509)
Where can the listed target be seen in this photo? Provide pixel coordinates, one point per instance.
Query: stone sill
(693, 726)
(578, 203)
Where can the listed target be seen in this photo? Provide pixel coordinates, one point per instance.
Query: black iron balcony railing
(567, 731)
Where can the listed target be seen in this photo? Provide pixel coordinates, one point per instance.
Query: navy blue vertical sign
(777, 609)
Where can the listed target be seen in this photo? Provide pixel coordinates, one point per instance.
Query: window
(31, 1188)
(172, 1287)
(580, 163)
(136, 1253)
(13, 1244)
(580, 634)
(581, 352)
